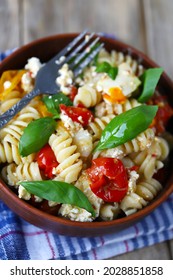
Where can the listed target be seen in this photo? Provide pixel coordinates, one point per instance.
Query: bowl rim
(142, 212)
(60, 220)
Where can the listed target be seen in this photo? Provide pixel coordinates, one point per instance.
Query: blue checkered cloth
(20, 240)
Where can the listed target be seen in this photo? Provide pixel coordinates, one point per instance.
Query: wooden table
(145, 24)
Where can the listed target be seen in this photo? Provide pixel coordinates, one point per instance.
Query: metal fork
(77, 55)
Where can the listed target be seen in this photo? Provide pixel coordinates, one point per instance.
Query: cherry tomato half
(77, 114)
(47, 161)
(109, 179)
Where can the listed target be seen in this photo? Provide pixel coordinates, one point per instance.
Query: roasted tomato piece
(109, 179)
(73, 92)
(164, 113)
(77, 114)
(47, 161)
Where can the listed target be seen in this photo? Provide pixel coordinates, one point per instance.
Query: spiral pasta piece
(142, 141)
(29, 171)
(68, 158)
(127, 105)
(150, 160)
(12, 98)
(88, 96)
(164, 148)
(10, 136)
(146, 190)
(137, 68)
(109, 211)
(105, 56)
(97, 126)
(9, 151)
(104, 108)
(115, 58)
(16, 126)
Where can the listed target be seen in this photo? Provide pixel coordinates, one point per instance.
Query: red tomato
(77, 114)
(164, 113)
(73, 92)
(133, 168)
(109, 179)
(47, 161)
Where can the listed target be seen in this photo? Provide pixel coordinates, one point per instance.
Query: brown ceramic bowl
(46, 48)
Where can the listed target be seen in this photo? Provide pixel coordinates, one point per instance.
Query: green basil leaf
(149, 80)
(52, 103)
(59, 192)
(51, 106)
(36, 135)
(126, 126)
(105, 67)
(113, 71)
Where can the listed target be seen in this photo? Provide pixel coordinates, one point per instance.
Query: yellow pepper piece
(13, 76)
(41, 107)
(115, 95)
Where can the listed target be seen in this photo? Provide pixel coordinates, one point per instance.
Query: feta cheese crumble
(33, 66)
(7, 84)
(65, 79)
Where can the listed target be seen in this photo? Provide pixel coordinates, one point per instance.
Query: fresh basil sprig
(149, 80)
(36, 135)
(105, 67)
(59, 192)
(52, 103)
(126, 126)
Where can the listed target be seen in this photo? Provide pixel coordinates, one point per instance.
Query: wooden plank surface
(9, 24)
(154, 252)
(76, 15)
(159, 32)
(145, 24)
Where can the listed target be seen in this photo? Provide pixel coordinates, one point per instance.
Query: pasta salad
(95, 150)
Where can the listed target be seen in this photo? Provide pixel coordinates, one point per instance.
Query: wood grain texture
(120, 18)
(9, 24)
(159, 32)
(155, 252)
(170, 245)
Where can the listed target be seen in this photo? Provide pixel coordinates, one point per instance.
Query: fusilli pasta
(29, 171)
(150, 160)
(141, 142)
(146, 190)
(88, 96)
(97, 126)
(109, 211)
(11, 133)
(10, 100)
(115, 58)
(69, 160)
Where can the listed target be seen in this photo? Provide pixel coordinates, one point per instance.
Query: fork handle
(10, 113)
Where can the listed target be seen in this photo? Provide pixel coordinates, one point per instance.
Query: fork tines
(79, 54)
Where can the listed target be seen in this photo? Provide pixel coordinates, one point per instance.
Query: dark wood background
(145, 24)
